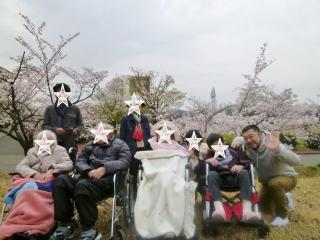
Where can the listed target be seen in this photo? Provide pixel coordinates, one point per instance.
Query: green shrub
(313, 141)
(301, 145)
(228, 137)
(289, 139)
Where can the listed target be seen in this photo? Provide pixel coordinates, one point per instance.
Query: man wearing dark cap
(63, 117)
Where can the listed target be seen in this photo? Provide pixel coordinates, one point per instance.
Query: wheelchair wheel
(263, 231)
(129, 202)
(119, 234)
(206, 227)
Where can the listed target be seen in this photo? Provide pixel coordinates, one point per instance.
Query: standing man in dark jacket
(63, 118)
(97, 164)
(135, 131)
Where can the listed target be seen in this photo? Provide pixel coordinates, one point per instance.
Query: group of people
(100, 159)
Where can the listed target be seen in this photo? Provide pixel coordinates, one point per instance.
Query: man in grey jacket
(97, 164)
(274, 164)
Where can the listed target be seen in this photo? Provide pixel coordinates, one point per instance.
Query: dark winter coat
(238, 158)
(113, 156)
(126, 131)
(72, 120)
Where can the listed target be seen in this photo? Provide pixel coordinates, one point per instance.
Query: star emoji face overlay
(101, 133)
(44, 144)
(164, 134)
(62, 96)
(134, 104)
(219, 149)
(194, 142)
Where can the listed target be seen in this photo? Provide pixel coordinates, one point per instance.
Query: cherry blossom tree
(257, 103)
(158, 93)
(201, 115)
(19, 116)
(108, 103)
(28, 90)
(315, 106)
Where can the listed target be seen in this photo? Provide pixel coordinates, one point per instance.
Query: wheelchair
(183, 171)
(120, 207)
(21, 235)
(232, 206)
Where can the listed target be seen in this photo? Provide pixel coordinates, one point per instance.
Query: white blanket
(165, 201)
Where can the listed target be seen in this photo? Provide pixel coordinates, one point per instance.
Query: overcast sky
(201, 43)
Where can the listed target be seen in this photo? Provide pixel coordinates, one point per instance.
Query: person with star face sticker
(41, 165)
(32, 188)
(135, 131)
(63, 118)
(166, 191)
(165, 135)
(229, 168)
(192, 142)
(97, 164)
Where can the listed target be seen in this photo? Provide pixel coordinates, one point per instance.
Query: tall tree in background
(201, 115)
(28, 90)
(19, 115)
(108, 104)
(158, 93)
(257, 103)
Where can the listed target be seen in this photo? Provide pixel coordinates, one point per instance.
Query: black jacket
(72, 118)
(113, 156)
(238, 158)
(126, 131)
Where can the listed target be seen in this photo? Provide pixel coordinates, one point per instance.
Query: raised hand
(274, 142)
(236, 143)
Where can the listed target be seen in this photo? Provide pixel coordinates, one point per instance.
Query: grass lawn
(304, 221)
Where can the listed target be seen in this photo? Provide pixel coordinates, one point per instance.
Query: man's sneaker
(279, 221)
(290, 201)
(90, 234)
(62, 233)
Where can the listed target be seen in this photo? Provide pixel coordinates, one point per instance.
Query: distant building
(129, 87)
(4, 73)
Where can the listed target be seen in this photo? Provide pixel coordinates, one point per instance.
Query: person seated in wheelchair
(32, 186)
(227, 171)
(97, 164)
(165, 197)
(192, 142)
(165, 135)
